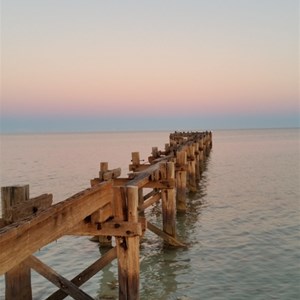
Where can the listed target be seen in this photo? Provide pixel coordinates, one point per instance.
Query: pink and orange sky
(74, 65)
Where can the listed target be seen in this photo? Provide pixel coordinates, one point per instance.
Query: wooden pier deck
(112, 207)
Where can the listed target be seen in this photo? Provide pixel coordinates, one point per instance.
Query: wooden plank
(28, 208)
(58, 280)
(139, 168)
(110, 228)
(111, 174)
(120, 182)
(150, 183)
(161, 184)
(102, 214)
(156, 197)
(142, 178)
(169, 239)
(20, 240)
(95, 181)
(150, 194)
(88, 273)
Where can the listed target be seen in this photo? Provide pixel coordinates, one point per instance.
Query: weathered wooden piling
(169, 201)
(181, 176)
(112, 208)
(18, 279)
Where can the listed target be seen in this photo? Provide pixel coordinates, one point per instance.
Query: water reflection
(163, 268)
(108, 280)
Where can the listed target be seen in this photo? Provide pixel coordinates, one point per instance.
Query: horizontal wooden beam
(161, 184)
(109, 228)
(142, 178)
(110, 174)
(152, 184)
(138, 168)
(19, 240)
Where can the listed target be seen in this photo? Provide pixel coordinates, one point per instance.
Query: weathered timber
(192, 185)
(2, 223)
(133, 244)
(111, 174)
(28, 208)
(167, 238)
(103, 214)
(20, 240)
(169, 203)
(58, 280)
(151, 183)
(18, 278)
(128, 247)
(106, 174)
(181, 174)
(88, 273)
(109, 228)
(135, 159)
(12, 195)
(110, 208)
(150, 201)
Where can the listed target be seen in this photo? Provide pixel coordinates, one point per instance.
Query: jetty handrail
(21, 239)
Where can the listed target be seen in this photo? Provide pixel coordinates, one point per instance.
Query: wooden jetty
(112, 207)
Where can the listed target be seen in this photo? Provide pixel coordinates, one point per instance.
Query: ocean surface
(242, 226)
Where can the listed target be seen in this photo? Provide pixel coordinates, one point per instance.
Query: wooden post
(103, 169)
(133, 244)
(167, 149)
(136, 161)
(104, 241)
(181, 181)
(197, 162)
(191, 169)
(205, 144)
(17, 279)
(127, 247)
(119, 206)
(155, 153)
(12, 195)
(201, 153)
(210, 140)
(169, 203)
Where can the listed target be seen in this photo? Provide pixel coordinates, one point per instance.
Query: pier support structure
(112, 207)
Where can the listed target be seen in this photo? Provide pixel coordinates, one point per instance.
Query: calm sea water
(242, 226)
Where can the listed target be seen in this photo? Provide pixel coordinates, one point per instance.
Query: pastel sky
(85, 65)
